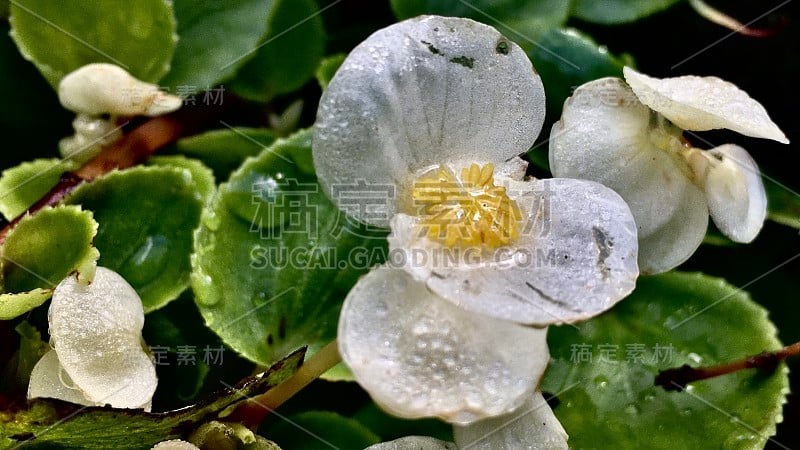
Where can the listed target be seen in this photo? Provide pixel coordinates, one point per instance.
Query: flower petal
(96, 330)
(735, 193)
(704, 103)
(102, 88)
(676, 240)
(422, 92)
(419, 355)
(175, 444)
(605, 135)
(532, 426)
(48, 380)
(414, 443)
(575, 257)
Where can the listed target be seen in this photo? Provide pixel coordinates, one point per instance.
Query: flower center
(467, 210)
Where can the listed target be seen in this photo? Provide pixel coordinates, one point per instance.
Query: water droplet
(686, 412)
(205, 292)
(695, 358)
(259, 298)
(211, 220)
(601, 382)
(632, 409)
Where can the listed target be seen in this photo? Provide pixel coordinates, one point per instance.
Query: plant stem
(253, 411)
(133, 148)
(676, 379)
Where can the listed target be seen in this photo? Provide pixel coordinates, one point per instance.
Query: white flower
(629, 137)
(97, 90)
(434, 111)
(414, 443)
(101, 88)
(98, 356)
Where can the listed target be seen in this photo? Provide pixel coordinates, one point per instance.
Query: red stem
(676, 379)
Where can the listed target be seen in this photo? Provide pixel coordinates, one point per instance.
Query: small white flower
(436, 110)
(98, 356)
(99, 93)
(629, 137)
(101, 88)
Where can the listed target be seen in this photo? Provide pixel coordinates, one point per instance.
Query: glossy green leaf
(225, 150)
(215, 39)
(288, 54)
(137, 36)
(610, 12)
(327, 69)
(201, 174)
(274, 258)
(521, 21)
(146, 216)
(102, 428)
(41, 251)
(783, 204)
(603, 371)
(320, 430)
(25, 184)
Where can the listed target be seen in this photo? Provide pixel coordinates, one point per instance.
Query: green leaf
(101, 428)
(522, 21)
(225, 150)
(25, 184)
(327, 69)
(611, 12)
(201, 174)
(321, 430)
(783, 204)
(137, 36)
(288, 55)
(274, 258)
(40, 251)
(215, 39)
(670, 320)
(146, 216)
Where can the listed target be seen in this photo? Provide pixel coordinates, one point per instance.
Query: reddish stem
(676, 379)
(133, 148)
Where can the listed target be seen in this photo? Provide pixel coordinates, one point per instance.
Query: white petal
(423, 92)
(603, 126)
(419, 355)
(414, 443)
(533, 426)
(97, 330)
(575, 257)
(704, 103)
(101, 88)
(735, 193)
(605, 135)
(175, 444)
(674, 242)
(48, 380)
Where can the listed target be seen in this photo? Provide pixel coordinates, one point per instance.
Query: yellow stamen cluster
(466, 211)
